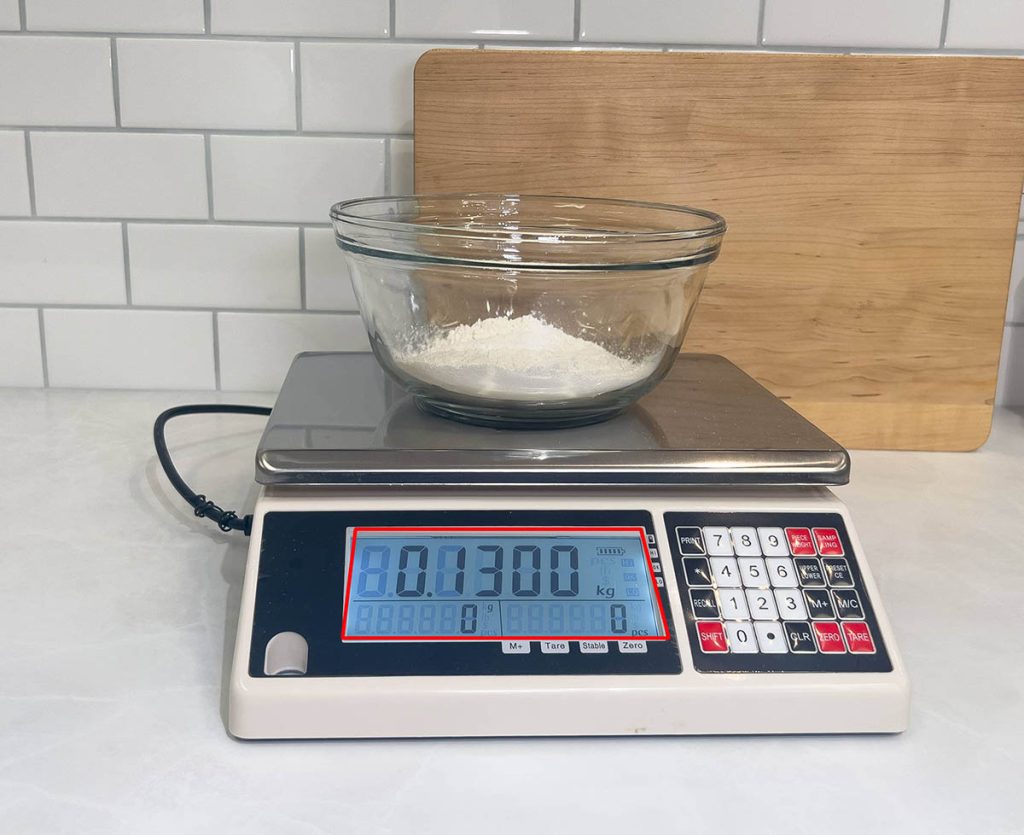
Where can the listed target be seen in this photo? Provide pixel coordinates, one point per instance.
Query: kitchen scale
(680, 569)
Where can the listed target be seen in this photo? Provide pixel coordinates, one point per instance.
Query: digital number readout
(478, 585)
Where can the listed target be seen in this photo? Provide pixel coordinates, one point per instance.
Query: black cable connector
(226, 520)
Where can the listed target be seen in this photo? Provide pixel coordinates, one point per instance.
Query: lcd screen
(499, 583)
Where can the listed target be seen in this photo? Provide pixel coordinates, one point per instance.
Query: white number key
(732, 604)
(741, 637)
(770, 637)
(773, 542)
(726, 571)
(718, 542)
(791, 604)
(753, 571)
(745, 542)
(762, 604)
(781, 572)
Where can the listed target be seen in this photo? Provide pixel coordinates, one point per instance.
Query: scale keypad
(773, 593)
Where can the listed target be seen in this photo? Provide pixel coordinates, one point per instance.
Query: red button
(800, 542)
(828, 542)
(712, 636)
(829, 637)
(858, 636)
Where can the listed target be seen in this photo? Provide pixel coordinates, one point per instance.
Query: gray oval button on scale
(287, 653)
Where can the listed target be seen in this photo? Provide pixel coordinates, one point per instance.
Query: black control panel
(773, 593)
(301, 588)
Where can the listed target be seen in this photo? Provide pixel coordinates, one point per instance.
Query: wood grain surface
(872, 203)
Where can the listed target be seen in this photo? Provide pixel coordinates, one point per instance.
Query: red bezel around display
(638, 531)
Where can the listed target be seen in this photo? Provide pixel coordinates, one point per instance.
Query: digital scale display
(407, 584)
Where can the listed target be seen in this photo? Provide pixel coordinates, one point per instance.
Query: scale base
(265, 705)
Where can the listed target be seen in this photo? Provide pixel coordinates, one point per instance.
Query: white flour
(520, 359)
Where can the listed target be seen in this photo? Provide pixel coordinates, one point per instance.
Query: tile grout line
(172, 308)
(127, 264)
(760, 22)
(275, 133)
(945, 24)
(216, 351)
(207, 16)
(208, 164)
(170, 221)
(391, 18)
(115, 82)
(258, 311)
(42, 349)
(530, 42)
(197, 221)
(30, 174)
(577, 16)
(387, 166)
(298, 86)
(302, 269)
(23, 15)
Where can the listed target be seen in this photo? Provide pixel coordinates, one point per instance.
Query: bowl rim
(341, 212)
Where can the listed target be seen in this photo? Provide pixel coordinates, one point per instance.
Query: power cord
(226, 520)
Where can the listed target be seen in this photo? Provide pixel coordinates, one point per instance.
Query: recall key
(704, 603)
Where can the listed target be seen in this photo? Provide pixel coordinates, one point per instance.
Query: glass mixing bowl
(522, 311)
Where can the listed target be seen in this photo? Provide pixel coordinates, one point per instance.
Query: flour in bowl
(524, 358)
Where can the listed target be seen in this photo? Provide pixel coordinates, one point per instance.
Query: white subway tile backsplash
(52, 262)
(55, 81)
(1015, 304)
(362, 87)
(322, 18)
(985, 24)
(20, 348)
(13, 174)
(663, 21)
(183, 83)
(906, 23)
(293, 179)
(257, 348)
(10, 16)
(328, 286)
(478, 19)
(183, 16)
(402, 166)
(131, 175)
(185, 265)
(197, 81)
(137, 349)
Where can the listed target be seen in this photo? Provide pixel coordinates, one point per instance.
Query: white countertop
(118, 609)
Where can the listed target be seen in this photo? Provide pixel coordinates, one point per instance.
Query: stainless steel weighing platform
(679, 569)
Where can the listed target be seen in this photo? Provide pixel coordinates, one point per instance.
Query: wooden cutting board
(872, 203)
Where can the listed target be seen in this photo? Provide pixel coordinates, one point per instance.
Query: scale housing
(709, 451)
